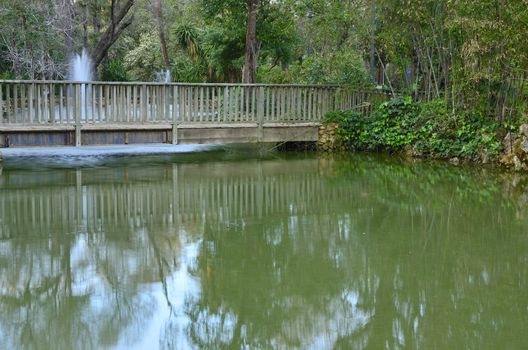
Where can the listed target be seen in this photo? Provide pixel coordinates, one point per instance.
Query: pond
(285, 251)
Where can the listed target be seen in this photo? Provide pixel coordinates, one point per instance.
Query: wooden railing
(67, 102)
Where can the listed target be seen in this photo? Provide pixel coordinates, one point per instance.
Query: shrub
(185, 69)
(114, 70)
(271, 74)
(427, 127)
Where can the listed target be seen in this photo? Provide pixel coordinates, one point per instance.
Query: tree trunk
(68, 16)
(85, 26)
(249, 73)
(158, 14)
(118, 23)
(373, 44)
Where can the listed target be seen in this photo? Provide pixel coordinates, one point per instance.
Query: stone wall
(515, 151)
(328, 140)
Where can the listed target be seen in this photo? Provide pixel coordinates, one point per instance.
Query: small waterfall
(81, 69)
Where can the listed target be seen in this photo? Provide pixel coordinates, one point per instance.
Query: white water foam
(91, 155)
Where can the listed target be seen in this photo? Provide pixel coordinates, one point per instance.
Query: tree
(269, 31)
(119, 21)
(158, 15)
(252, 47)
(30, 39)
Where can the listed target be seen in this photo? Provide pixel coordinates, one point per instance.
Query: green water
(289, 252)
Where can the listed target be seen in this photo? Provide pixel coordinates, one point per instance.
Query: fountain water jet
(81, 69)
(163, 76)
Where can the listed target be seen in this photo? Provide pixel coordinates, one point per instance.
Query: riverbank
(427, 130)
(513, 155)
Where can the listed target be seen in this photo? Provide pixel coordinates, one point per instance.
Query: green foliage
(339, 68)
(114, 70)
(472, 53)
(470, 135)
(144, 59)
(352, 128)
(272, 74)
(187, 37)
(186, 69)
(344, 68)
(8, 75)
(425, 129)
(223, 49)
(223, 39)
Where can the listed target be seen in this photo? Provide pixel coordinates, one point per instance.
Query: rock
(454, 161)
(517, 150)
(507, 160)
(517, 164)
(524, 144)
(515, 180)
(508, 142)
(522, 201)
(328, 138)
(484, 158)
(523, 130)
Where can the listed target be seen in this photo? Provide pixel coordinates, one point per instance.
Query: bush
(114, 70)
(185, 69)
(425, 128)
(144, 60)
(269, 74)
(352, 128)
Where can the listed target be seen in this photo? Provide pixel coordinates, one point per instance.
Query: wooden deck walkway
(48, 113)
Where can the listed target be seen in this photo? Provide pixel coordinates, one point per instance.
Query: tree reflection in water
(301, 253)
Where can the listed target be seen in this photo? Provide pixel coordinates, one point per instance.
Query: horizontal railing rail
(334, 86)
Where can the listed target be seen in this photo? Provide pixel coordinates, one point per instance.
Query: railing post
(1, 106)
(260, 113)
(175, 110)
(144, 102)
(77, 108)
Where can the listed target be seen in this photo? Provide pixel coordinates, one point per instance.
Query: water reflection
(298, 253)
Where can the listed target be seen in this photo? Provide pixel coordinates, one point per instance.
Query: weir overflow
(50, 113)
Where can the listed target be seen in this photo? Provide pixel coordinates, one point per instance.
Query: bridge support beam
(213, 133)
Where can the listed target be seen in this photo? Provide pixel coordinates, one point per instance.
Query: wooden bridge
(49, 113)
